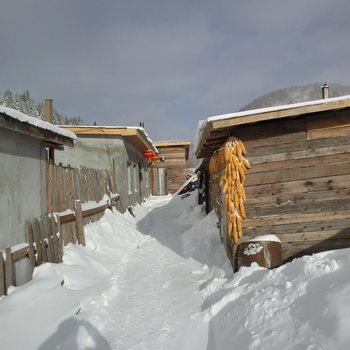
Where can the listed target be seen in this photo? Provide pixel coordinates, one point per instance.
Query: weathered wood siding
(299, 184)
(175, 164)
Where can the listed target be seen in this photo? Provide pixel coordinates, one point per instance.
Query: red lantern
(149, 154)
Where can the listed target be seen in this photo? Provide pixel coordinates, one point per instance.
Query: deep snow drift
(161, 281)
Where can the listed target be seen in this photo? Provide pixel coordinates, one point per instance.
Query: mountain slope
(296, 94)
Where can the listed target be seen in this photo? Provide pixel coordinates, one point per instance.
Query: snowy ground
(161, 281)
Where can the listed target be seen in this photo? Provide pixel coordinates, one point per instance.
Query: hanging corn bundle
(230, 160)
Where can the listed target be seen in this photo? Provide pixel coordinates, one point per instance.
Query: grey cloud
(168, 63)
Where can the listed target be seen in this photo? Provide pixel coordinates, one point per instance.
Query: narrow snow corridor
(156, 293)
(161, 280)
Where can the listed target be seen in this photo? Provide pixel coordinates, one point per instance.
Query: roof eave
(25, 128)
(226, 124)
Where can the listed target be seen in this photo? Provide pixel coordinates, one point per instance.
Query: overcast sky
(168, 63)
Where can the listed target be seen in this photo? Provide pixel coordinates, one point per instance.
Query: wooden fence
(67, 189)
(66, 184)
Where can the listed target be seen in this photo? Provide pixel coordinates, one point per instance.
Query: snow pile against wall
(301, 305)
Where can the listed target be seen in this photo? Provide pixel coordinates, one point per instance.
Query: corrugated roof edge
(15, 114)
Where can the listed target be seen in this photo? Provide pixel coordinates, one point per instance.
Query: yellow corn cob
(244, 196)
(238, 187)
(235, 234)
(226, 153)
(224, 189)
(235, 161)
(239, 226)
(236, 200)
(246, 163)
(242, 210)
(241, 173)
(241, 144)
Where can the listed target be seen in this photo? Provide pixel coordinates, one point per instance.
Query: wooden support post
(30, 239)
(43, 241)
(60, 238)
(55, 243)
(48, 237)
(2, 275)
(8, 269)
(79, 223)
(37, 234)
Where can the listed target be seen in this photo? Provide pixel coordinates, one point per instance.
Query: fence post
(30, 238)
(2, 275)
(59, 237)
(79, 222)
(8, 269)
(37, 235)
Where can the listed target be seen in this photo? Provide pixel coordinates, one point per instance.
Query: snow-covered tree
(26, 104)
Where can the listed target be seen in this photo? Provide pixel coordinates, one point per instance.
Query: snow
(14, 114)
(19, 247)
(201, 127)
(277, 108)
(265, 238)
(160, 280)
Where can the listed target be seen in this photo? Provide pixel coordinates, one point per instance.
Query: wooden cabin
(118, 149)
(173, 157)
(298, 186)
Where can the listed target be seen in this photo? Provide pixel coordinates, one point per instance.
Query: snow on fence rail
(46, 237)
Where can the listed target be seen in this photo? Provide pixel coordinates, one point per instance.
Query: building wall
(22, 191)
(299, 184)
(176, 165)
(114, 153)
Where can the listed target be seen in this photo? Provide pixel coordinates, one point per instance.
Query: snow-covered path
(157, 290)
(154, 292)
(162, 281)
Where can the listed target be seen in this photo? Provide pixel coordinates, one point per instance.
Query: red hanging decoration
(149, 154)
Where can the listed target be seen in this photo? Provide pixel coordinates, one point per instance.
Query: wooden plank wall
(66, 184)
(299, 184)
(175, 163)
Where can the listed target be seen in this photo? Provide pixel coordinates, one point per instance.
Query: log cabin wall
(299, 184)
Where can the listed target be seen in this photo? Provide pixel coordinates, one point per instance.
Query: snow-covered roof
(278, 108)
(130, 132)
(38, 123)
(214, 130)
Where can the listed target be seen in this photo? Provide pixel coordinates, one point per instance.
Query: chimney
(325, 91)
(48, 110)
(142, 124)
